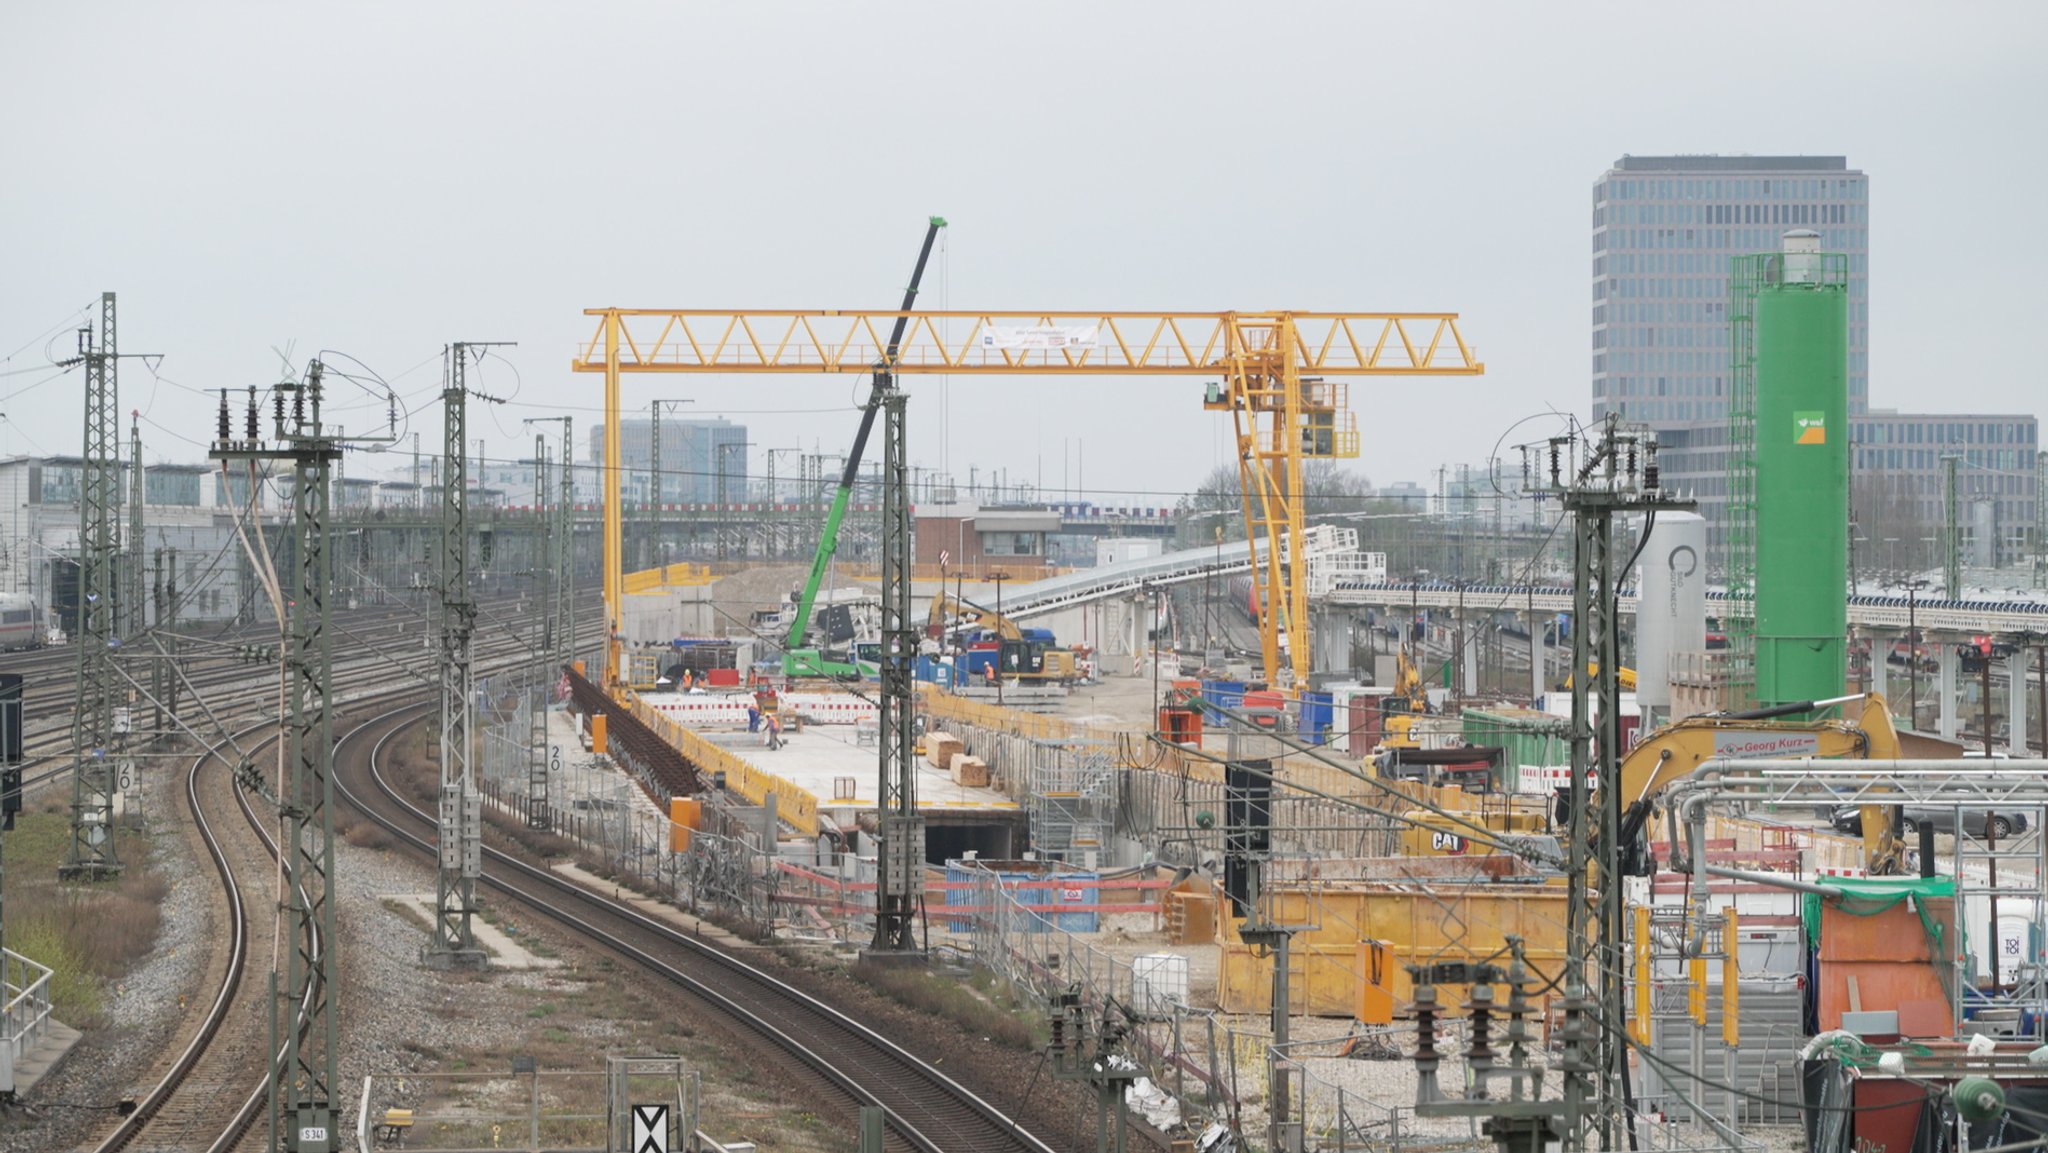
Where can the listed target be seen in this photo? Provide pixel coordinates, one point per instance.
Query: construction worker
(753, 718)
(774, 732)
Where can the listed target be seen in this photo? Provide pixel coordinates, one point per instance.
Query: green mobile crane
(799, 660)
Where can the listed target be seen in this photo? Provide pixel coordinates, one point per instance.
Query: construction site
(727, 732)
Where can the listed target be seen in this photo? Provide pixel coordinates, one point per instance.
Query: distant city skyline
(429, 214)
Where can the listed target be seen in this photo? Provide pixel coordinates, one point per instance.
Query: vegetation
(982, 1004)
(89, 934)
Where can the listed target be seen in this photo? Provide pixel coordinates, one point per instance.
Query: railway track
(219, 1071)
(47, 750)
(209, 1094)
(928, 1112)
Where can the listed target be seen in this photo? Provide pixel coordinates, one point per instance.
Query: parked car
(1849, 819)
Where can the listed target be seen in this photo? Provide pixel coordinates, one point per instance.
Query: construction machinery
(1864, 731)
(1408, 703)
(1024, 654)
(799, 657)
(1280, 375)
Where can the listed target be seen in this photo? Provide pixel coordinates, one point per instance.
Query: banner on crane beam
(1039, 336)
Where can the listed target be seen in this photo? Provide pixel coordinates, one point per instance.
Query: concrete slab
(836, 763)
(57, 1040)
(505, 952)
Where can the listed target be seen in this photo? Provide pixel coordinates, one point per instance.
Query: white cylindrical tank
(1671, 602)
(1802, 256)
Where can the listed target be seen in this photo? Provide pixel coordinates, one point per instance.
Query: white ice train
(21, 622)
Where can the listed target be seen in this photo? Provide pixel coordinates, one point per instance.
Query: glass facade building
(1663, 231)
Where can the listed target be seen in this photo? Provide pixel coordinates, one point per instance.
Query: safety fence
(26, 987)
(535, 1109)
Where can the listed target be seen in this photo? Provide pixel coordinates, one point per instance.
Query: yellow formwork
(1448, 923)
(667, 576)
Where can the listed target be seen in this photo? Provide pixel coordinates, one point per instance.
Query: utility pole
(1952, 552)
(560, 623)
(461, 810)
(899, 877)
(1618, 476)
(91, 855)
(131, 598)
(724, 510)
(537, 816)
(302, 1084)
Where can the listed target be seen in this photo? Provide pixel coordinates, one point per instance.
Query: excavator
(1863, 732)
(1408, 701)
(1025, 654)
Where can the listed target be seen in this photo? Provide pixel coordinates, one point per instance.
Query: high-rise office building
(694, 455)
(1664, 230)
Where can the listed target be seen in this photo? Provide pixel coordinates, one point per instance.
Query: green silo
(1802, 472)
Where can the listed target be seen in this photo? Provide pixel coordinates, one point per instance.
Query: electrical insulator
(277, 407)
(298, 407)
(1553, 464)
(255, 433)
(1631, 461)
(227, 423)
(1650, 478)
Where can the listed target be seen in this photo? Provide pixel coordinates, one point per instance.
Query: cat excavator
(1025, 654)
(1864, 731)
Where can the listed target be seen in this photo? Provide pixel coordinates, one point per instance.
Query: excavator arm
(947, 612)
(1676, 750)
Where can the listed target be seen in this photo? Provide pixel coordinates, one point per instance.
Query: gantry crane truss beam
(1272, 367)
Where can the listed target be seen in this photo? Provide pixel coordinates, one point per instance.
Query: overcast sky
(382, 178)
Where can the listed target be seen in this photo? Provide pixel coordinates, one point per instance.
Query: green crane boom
(797, 659)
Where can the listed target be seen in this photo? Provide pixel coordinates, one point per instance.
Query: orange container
(597, 732)
(684, 813)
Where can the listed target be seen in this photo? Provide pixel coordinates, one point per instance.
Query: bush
(955, 1001)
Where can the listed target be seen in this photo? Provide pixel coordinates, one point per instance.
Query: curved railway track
(927, 1111)
(213, 1090)
(185, 1107)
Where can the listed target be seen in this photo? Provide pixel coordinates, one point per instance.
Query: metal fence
(26, 986)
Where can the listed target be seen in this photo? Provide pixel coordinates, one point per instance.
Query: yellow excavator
(1027, 654)
(1625, 675)
(1408, 701)
(1864, 732)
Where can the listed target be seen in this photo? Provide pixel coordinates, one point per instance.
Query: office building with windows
(1664, 231)
(695, 456)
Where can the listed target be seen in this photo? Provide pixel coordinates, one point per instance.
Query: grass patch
(89, 933)
(980, 1005)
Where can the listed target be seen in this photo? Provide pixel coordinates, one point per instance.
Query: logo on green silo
(1809, 428)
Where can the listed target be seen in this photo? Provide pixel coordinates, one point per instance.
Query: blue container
(1316, 710)
(1224, 694)
(1030, 886)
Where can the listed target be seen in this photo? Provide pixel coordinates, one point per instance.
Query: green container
(1802, 477)
(1527, 736)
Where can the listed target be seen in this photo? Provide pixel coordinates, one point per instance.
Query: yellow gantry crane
(1280, 375)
